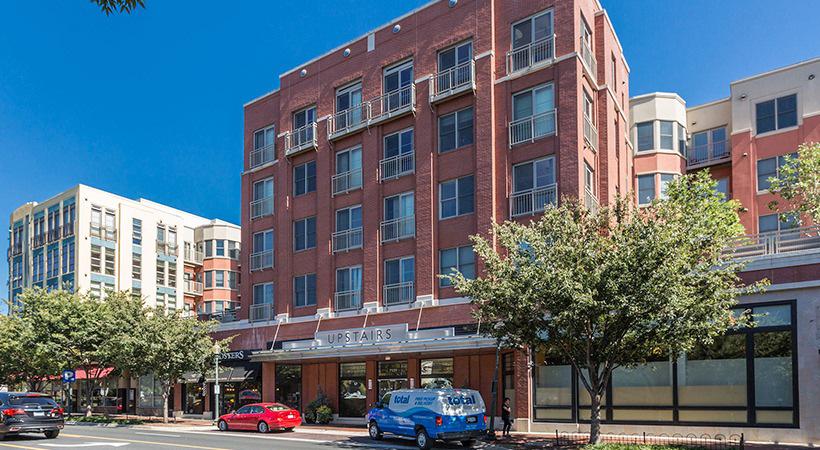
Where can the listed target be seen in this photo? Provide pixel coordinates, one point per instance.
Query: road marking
(156, 434)
(19, 446)
(342, 440)
(165, 444)
(89, 444)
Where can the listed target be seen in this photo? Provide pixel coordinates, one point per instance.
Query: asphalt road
(80, 437)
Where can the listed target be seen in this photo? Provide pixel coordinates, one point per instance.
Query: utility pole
(216, 382)
(494, 402)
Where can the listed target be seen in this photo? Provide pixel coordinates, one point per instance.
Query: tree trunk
(164, 404)
(595, 419)
(88, 394)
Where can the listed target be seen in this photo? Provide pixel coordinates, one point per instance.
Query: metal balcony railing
(16, 249)
(347, 239)
(396, 294)
(262, 260)
(528, 129)
(99, 231)
(534, 200)
(708, 153)
(193, 256)
(262, 207)
(261, 156)
(301, 139)
(393, 104)
(53, 234)
(68, 229)
(38, 240)
(347, 300)
(260, 312)
(588, 59)
(590, 133)
(167, 248)
(193, 287)
(794, 240)
(452, 81)
(348, 121)
(399, 228)
(346, 181)
(541, 51)
(397, 166)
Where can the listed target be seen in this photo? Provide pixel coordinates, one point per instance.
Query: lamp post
(216, 380)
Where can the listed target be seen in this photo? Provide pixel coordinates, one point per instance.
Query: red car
(261, 417)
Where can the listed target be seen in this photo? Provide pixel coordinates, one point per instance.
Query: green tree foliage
(614, 288)
(798, 182)
(121, 6)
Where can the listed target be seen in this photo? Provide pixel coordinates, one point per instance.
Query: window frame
(457, 198)
(305, 221)
(776, 113)
(457, 131)
(304, 278)
(531, 18)
(443, 282)
(305, 182)
(638, 188)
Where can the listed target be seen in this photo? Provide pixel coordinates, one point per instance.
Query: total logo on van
(463, 400)
(402, 399)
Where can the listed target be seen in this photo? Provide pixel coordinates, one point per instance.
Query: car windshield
(34, 401)
(277, 408)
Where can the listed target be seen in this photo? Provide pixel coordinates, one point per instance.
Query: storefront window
(194, 398)
(150, 392)
(714, 376)
(553, 389)
(289, 385)
(237, 394)
(104, 396)
(773, 363)
(508, 378)
(352, 389)
(437, 373)
(392, 376)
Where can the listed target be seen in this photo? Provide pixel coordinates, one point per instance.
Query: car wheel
(423, 440)
(374, 431)
(469, 443)
(51, 434)
(222, 425)
(262, 427)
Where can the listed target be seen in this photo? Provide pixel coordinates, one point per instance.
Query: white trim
(260, 97)
(773, 71)
(536, 67)
(712, 103)
(484, 55)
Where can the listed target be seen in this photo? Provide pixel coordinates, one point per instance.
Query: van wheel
(51, 434)
(374, 431)
(469, 443)
(423, 440)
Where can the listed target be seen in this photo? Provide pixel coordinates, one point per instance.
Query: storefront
(240, 383)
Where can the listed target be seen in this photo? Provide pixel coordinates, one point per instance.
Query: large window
(454, 69)
(304, 290)
(533, 113)
(348, 170)
(777, 222)
(263, 147)
(770, 168)
(302, 126)
(348, 288)
(646, 189)
(667, 135)
(288, 385)
(437, 373)
(263, 294)
(398, 155)
(304, 234)
(534, 186)
(352, 389)
(304, 178)
(399, 217)
(666, 178)
(458, 259)
(399, 278)
(777, 113)
(397, 82)
(392, 376)
(349, 106)
(455, 130)
(262, 204)
(262, 254)
(456, 197)
(348, 233)
(646, 136)
(531, 41)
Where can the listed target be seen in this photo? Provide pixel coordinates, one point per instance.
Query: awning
(232, 373)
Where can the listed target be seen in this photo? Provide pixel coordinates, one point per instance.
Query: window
(614, 70)
(667, 136)
(209, 279)
(533, 113)
(219, 278)
(533, 186)
(233, 249)
(304, 234)
(288, 389)
(399, 217)
(262, 255)
(304, 290)
(777, 222)
(304, 178)
(209, 248)
(53, 258)
(397, 80)
(262, 204)
(723, 187)
(68, 257)
(54, 223)
(552, 390)
(437, 373)
(263, 146)
(349, 102)
(348, 170)
(459, 259)
(160, 272)
(455, 130)
(220, 247)
(303, 118)
(666, 178)
(136, 231)
(352, 389)
(233, 280)
(453, 67)
(68, 219)
(96, 222)
(531, 41)
(456, 197)
(96, 258)
(110, 227)
(589, 179)
(392, 376)
(136, 266)
(681, 140)
(776, 113)
(399, 276)
(646, 136)
(348, 288)
(263, 294)
(770, 168)
(398, 155)
(646, 189)
(172, 274)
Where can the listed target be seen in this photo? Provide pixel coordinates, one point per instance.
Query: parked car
(428, 415)
(29, 412)
(261, 417)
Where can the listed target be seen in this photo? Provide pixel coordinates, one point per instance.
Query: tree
(171, 346)
(798, 181)
(122, 6)
(614, 288)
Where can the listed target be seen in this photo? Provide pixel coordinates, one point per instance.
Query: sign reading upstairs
(356, 336)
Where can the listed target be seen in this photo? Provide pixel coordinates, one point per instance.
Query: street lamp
(217, 350)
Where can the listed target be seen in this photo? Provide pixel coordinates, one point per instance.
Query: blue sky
(150, 105)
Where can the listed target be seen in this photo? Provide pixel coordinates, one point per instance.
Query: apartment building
(767, 384)
(370, 166)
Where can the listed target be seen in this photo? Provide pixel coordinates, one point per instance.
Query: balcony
(541, 52)
(193, 256)
(262, 260)
(108, 234)
(193, 287)
(708, 154)
(262, 207)
(346, 181)
(399, 293)
(347, 240)
(398, 229)
(348, 121)
(228, 315)
(301, 139)
(261, 312)
(16, 249)
(38, 240)
(262, 156)
(533, 201)
(347, 300)
(166, 248)
(68, 229)
(397, 166)
(590, 133)
(791, 241)
(53, 235)
(588, 59)
(393, 104)
(529, 129)
(452, 82)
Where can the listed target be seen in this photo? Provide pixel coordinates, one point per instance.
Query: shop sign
(239, 355)
(368, 335)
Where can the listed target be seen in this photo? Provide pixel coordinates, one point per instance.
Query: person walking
(506, 416)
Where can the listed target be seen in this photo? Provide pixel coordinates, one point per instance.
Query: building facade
(762, 381)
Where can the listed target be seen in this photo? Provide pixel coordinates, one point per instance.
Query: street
(92, 437)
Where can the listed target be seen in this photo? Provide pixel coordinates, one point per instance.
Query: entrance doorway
(392, 376)
(289, 385)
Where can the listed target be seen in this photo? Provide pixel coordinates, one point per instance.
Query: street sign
(216, 389)
(69, 376)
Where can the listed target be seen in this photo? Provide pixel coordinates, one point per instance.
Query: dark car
(29, 412)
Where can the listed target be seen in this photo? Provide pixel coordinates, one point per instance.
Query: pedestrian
(506, 416)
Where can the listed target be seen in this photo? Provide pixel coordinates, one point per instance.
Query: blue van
(428, 415)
